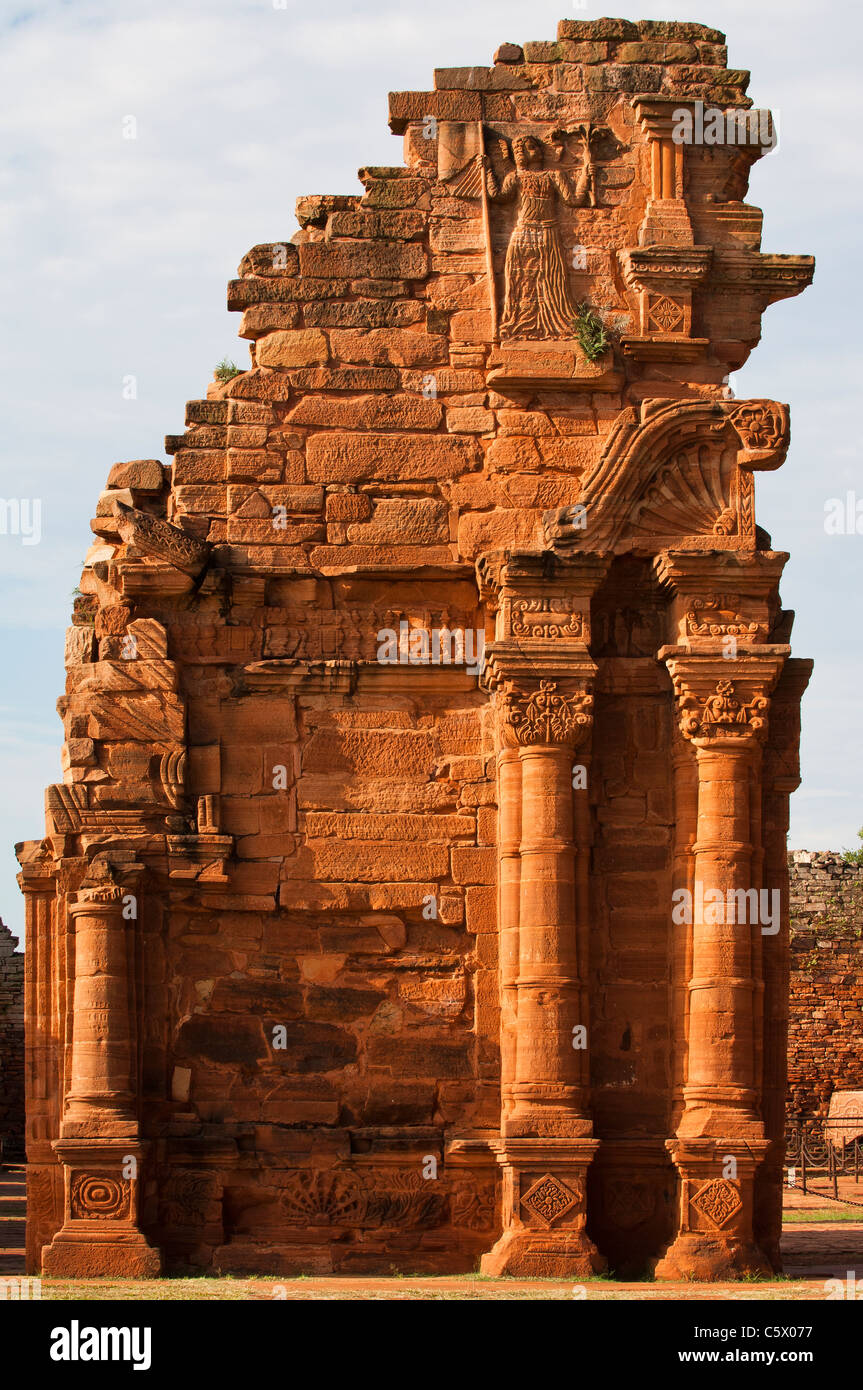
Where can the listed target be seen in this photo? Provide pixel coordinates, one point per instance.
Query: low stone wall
(825, 1034)
(11, 1046)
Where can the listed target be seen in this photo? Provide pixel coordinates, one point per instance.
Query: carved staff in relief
(470, 182)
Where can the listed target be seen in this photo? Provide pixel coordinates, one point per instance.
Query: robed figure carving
(537, 302)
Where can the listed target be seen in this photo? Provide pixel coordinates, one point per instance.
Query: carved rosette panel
(764, 430)
(185, 1199)
(547, 716)
(100, 1197)
(665, 315)
(718, 1201)
(548, 1199)
(723, 712)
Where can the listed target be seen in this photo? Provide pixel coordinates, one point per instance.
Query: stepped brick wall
(11, 1046)
(825, 1031)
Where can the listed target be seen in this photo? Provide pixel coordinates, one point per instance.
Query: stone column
(541, 673)
(101, 1096)
(99, 1145)
(720, 1139)
(546, 1144)
(508, 897)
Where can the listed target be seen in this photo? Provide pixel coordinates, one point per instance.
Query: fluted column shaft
(102, 1054)
(721, 987)
(509, 876)
(549, 1088)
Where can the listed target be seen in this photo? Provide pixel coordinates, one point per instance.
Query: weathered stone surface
(399, 708)
(144, 475)
(337, 457)
(302, 347)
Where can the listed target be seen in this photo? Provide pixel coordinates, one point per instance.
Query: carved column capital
(724, 703)
(725, 712)
(546, 715)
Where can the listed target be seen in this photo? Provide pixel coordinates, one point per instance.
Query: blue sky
(114, 255)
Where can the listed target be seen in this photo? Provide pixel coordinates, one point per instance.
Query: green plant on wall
(226, 371)
(854, 856)
(591, 333)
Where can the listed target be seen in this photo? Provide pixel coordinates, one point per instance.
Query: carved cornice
(720, 594)
(773, 276)
(546, 715)
(642, 265)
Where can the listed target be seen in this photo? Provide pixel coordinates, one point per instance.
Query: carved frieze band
(545, 617)
(719, 616)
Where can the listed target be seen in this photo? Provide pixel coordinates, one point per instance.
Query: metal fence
(823, 1145)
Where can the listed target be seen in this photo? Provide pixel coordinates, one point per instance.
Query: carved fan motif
(693, 494)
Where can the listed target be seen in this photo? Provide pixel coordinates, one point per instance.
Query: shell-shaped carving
(693, 494)
(172, 772)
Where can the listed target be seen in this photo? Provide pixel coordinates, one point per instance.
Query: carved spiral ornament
(97, 1196)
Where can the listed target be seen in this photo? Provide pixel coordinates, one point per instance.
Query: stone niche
(402, 707)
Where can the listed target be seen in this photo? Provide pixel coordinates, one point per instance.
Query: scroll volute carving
(100, 884)
(731, 709)
(545, 616)
(152, 536)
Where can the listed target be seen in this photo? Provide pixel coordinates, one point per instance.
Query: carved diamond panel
(718, 1200)
(549, 1199)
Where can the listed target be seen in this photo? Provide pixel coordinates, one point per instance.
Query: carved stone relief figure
(537, 302)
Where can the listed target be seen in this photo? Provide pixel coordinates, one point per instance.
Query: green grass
(796, 1218)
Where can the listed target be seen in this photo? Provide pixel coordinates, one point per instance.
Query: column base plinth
(532, 1255)
(544, 1210)
(100, 1236)
(715, 1238)
(77, 1254)
(705, 1258)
